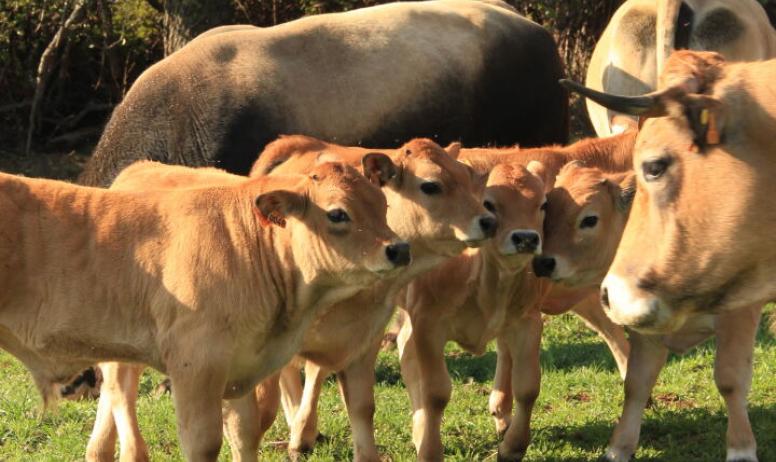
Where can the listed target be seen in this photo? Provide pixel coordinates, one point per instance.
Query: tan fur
(609, 154)
(430, 222)
(487, 294)
(625, 61)
(434, 226)
(708, 267)
(184, 280)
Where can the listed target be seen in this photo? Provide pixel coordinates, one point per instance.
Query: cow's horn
(645, 105)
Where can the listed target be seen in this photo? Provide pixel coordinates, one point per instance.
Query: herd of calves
(221, 281)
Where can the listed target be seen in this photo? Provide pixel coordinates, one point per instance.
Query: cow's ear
(706, 117)
(276, 206)
(378, 168)
(541, 171)
(623, 187)
(453, 149)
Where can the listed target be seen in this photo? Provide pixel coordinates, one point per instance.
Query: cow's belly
(471, 331)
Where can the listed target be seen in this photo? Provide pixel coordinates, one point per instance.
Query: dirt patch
(672, 400)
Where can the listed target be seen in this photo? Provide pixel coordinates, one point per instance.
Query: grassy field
(580, 400)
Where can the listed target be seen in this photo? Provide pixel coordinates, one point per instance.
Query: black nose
(543, 266)
(526, 241)
(604, 297)
(398, 254)
(488, 224)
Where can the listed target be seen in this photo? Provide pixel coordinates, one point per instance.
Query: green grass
(580, 400)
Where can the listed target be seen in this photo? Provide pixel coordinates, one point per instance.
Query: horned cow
(703, 159)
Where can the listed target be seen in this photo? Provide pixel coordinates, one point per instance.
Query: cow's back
(451, 70)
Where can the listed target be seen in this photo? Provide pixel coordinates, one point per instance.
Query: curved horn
(649, 105)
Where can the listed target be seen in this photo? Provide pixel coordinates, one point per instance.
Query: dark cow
(449, 69)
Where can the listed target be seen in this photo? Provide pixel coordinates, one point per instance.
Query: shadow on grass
(666, 435)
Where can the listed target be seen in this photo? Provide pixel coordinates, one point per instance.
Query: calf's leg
(523, 341)
(304, 427)
(422, 345)
(117, 414)
(246, 419)
(357, 383)
(500, 400)
(590, 310)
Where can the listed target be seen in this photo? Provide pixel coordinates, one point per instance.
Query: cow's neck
(503, 293)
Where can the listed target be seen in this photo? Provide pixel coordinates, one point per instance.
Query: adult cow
(449, 69)
(642, 33)
(703, 163)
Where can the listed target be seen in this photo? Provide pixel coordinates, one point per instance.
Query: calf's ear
(378, 168)
(453, 149)
(623, 189)
(276, 206)
(539, 170)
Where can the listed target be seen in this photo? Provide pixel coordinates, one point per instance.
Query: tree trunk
(185, 19)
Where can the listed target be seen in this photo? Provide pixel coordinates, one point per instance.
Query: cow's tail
(667, 16)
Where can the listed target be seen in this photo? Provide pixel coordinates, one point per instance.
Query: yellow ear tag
(704, 117)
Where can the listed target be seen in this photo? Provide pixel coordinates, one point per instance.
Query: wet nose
(488, 225)
(604, 297)
(543, 266)
(398, 253)
(526, 241)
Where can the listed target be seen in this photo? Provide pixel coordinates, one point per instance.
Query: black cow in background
(449, 69)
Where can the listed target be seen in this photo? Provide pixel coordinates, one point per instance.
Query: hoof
(504, 458)
(609, 457)
(500, 432)
(321, 438)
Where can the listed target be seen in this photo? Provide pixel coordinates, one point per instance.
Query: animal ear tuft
(378, 168)
(453, 149)
(540, 170)
(627, 189)
(273, 208)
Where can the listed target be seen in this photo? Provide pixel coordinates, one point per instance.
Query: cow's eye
(589, 222)
(489, 206)
(338, 216)
(431, 188)
(543, 208)
(654, 169)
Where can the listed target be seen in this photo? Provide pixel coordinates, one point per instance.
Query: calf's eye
(430, 188)
(338, 216)
(489, 206)
(589, 222)
(543, 208)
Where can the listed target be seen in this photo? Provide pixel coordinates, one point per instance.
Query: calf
(705, 147)
(488, 294)
(434, 204)
(213, 286)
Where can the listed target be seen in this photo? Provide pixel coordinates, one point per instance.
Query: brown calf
(488, 294)
(210, 285)
(434, 204)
